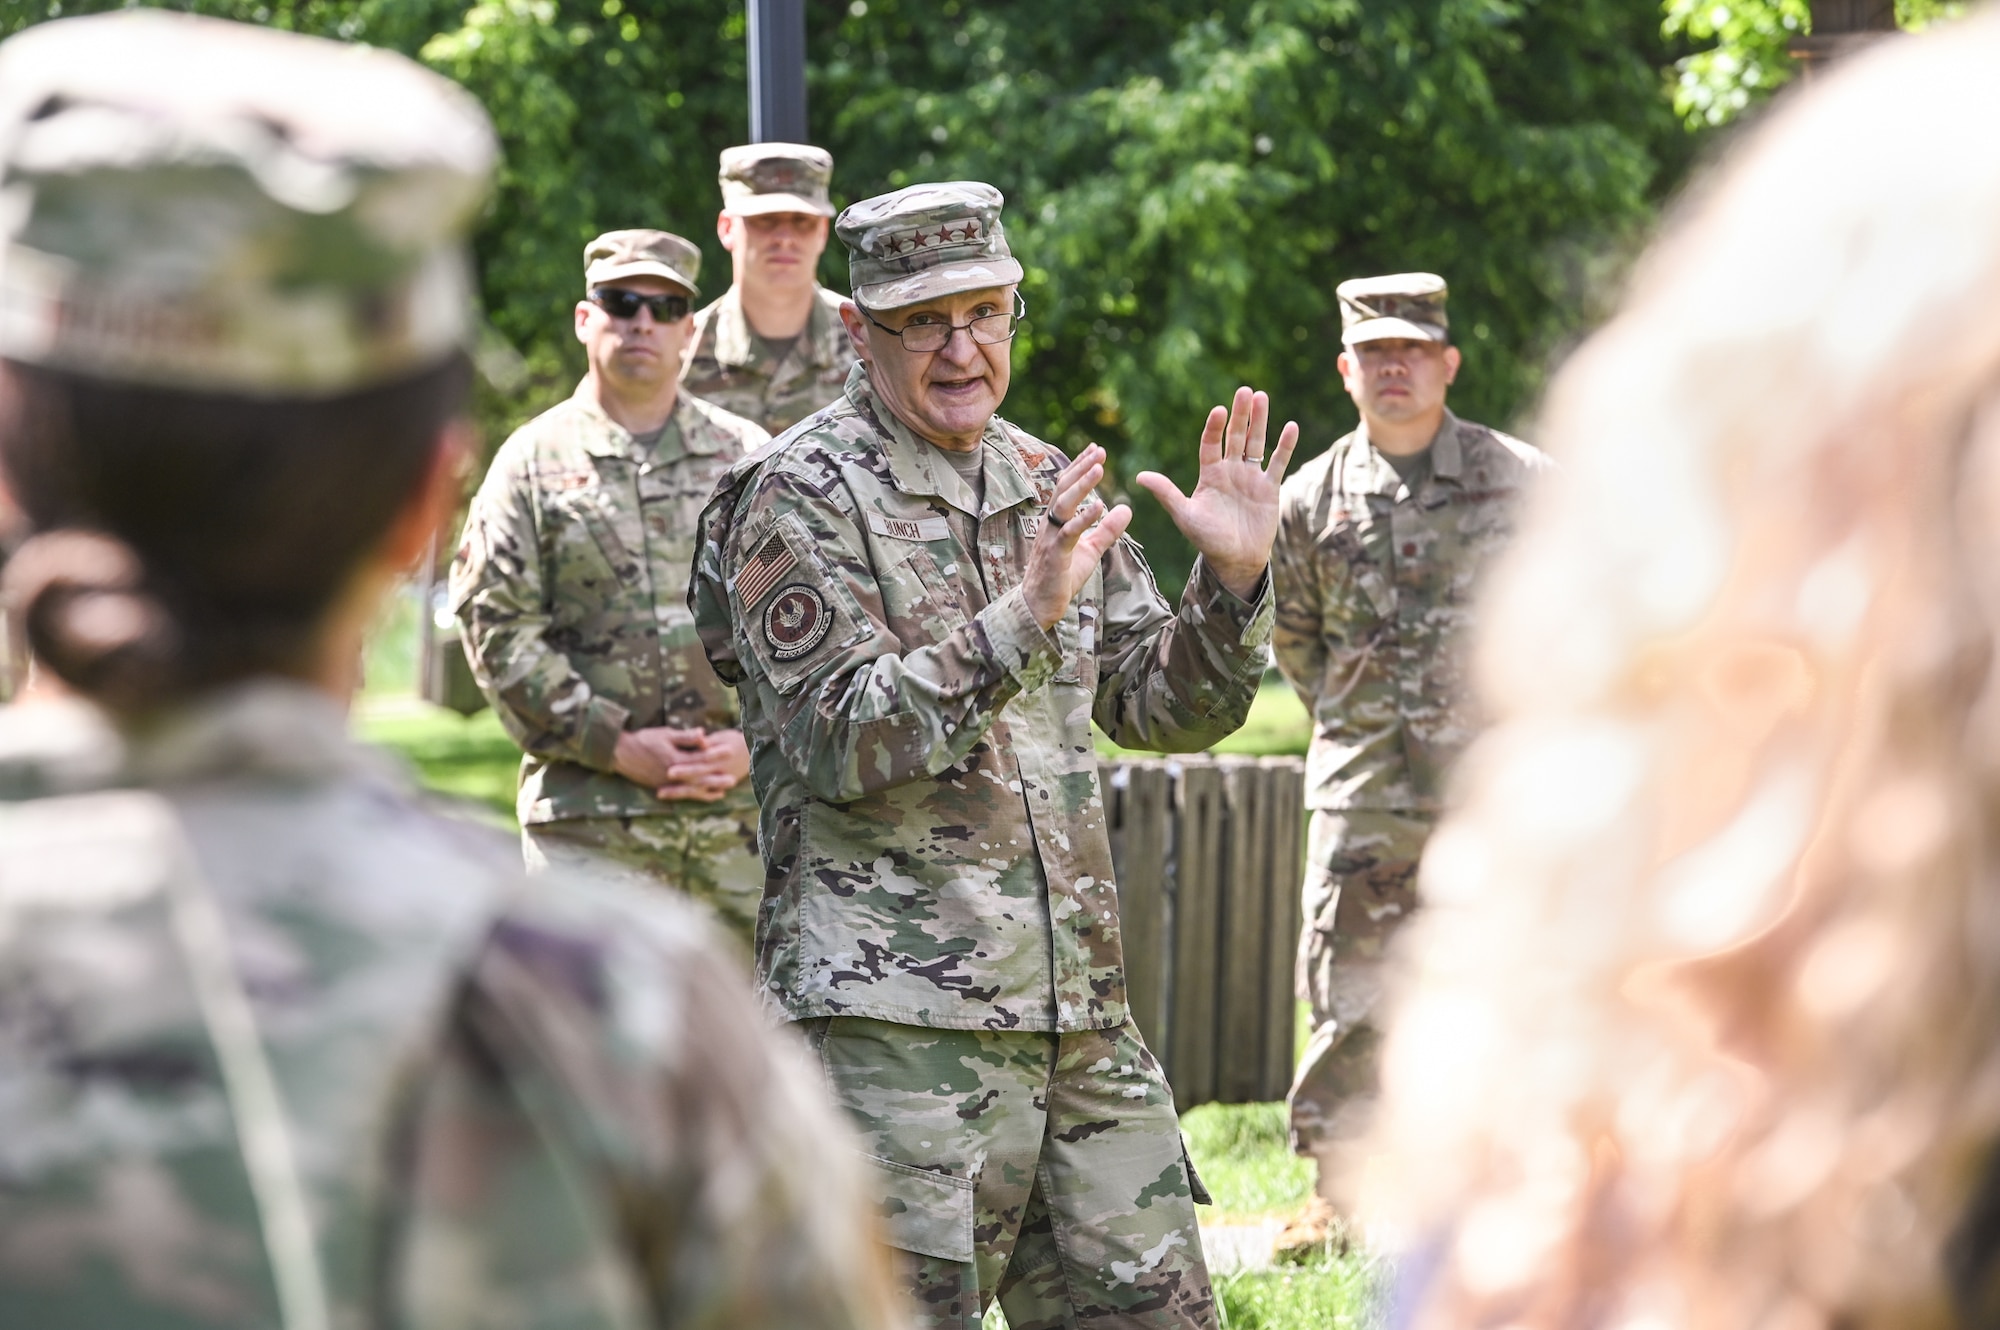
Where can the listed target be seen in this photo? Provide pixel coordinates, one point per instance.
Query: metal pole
(1840, 28)
(777, 71)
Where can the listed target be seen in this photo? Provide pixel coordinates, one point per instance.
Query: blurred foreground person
(278, 1048)
(1704, 1024)
(924, 608)
(1383, 539)
(771, 348)
(570, 587)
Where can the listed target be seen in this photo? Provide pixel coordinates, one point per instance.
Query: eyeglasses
(935, 335)
(622, 304)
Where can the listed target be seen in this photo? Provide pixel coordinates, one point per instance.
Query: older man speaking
(923, 609)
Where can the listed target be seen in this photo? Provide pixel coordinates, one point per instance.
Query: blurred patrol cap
(207, 205)
(776, 177)
(926, 241)
(1409, 304)
(641, 253)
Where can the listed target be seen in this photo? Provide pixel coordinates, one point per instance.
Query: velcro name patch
(566, 480)
(909, 528)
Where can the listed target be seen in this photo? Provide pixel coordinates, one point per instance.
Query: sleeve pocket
(794, 611)
(923, 1212)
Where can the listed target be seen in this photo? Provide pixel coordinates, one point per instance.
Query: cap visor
(1382, 330)
(756, 205)
(945, 280)
(601, 273)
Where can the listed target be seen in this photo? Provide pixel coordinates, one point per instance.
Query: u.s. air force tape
(796, 622)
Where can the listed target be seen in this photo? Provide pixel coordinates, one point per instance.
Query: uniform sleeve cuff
(603, 722)
(1020, 646)
(1252, 618)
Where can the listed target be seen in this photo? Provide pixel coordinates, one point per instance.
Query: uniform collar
(734, 347)
(272, 729)
(1368, 471)
(695, 432)
(1447, 450)
(915, 467)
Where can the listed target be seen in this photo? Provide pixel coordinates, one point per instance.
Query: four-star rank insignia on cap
(796, 622)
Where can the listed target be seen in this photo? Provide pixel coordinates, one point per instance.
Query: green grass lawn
(1242, 1155)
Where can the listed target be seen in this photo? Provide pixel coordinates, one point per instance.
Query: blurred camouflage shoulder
(451, 1049)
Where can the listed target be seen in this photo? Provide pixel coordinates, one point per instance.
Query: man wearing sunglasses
(571, 593)
(772, 348)
(923, 609)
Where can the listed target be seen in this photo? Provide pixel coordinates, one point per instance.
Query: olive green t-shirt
(1412, 468)
(971, 468)
(772, 350)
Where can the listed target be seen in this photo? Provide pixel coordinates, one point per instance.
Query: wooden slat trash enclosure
(1210, 858)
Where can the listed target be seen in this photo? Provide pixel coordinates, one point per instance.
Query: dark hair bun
(81, 600)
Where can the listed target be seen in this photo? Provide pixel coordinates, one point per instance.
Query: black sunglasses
(622, 304)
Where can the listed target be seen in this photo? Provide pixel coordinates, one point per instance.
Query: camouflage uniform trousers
(1044, 1169)
(708, 851)
(1360, 887)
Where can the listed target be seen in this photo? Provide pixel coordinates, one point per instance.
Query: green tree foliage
(610, 115)
(1742, 59)
(1187, 179)
(1187, 186)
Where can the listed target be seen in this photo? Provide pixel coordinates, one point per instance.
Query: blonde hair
(1702, 1025)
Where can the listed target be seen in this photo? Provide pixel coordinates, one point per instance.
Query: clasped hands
(677, 763)
(1231, 518)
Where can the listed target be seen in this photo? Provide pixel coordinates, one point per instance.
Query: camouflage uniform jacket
(571, 593)
(932, 822)
(277, 1047)
(1375, 592)
(726, 365)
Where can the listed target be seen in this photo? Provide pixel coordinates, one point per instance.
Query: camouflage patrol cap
(641, 253)
(776, 177)
(1409, 304)
(926, 241)
(208, 205)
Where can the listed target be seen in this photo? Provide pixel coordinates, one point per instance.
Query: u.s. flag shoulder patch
(765, 568)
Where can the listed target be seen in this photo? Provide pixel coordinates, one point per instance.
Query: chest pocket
(924, 599)
(1360, 555)
(673, 498)
(591, 550)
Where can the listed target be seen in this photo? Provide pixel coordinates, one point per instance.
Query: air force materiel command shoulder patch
(796, 622)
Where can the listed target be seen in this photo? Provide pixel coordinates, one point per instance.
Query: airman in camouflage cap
(616, 255)
(279, 1046)
(570, 587)
(1382, 540)
(923, 608)
(1409, 304)
(772, 349)
(926, 241)
(776, 177)
(296, 228)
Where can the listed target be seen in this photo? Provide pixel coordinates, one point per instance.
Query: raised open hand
(1078, 531)
(1232, 516)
